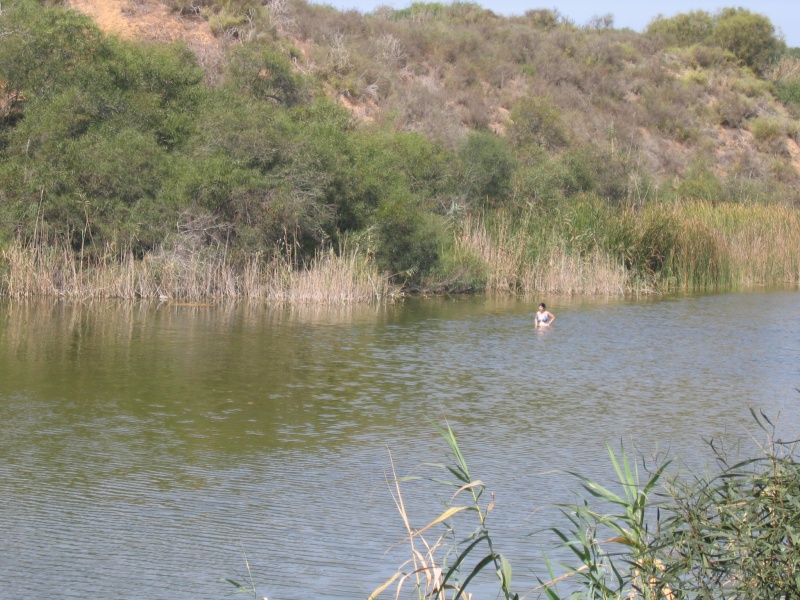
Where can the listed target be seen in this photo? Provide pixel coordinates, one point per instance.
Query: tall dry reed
(500, 250)
(329, 278)
(564, 272)
(738, 245)
(514, 261)
(687, 246)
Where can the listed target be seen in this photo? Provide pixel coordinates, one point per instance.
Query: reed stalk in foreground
(438, 572)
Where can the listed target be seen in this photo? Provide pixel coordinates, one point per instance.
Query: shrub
(265, 74)
(536, 122)
(42, 50)
(734, 110)
(543, 18)
(592, 169)
(788, 92)
(486, 165)
(766, 129)
(409, 239)
(541, 182)
(708, 56)
(685, 29)
(749, 36)
(700, 183)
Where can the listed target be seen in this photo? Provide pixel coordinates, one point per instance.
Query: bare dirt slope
(148, 20)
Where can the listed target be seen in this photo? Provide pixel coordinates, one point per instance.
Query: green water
(147, 448)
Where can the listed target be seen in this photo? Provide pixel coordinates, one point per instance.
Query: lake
(151, 450)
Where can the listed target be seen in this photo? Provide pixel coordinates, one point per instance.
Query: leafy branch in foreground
(733, 534)
(737, 534)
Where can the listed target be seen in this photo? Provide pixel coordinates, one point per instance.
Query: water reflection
(144, 444)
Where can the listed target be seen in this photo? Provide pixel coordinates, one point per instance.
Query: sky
(635, 14)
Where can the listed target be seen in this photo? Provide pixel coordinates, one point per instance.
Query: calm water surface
(146, 450)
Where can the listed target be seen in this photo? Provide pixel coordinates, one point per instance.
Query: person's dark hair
(542, 306)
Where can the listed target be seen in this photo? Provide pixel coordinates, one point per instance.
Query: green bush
(700, 183)
(542, 181)
(536, 122)
(766, 129)
(265, 74)
(685, 29)
(486, 165)
(750, 37)
(409, 240)
(599, 171)
(788, 92)
(41, 50)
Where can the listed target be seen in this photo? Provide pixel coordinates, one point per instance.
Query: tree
(486, 165)
(685, 29)
(748, 36)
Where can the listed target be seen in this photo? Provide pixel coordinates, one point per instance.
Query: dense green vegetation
(113, 147)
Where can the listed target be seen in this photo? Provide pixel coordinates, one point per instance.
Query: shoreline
(591, 250)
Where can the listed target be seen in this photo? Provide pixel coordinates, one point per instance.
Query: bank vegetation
(327, 156)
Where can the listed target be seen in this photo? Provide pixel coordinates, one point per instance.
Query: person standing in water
(544, 318)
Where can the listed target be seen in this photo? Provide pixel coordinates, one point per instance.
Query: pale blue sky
(636, 14)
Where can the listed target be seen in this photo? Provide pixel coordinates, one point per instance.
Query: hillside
(147, 20)
(197, 127)
(444, 74)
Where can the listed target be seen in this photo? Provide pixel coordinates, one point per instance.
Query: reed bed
(738, 245)
(500, 250)
(585, 248)
(606, 251)
(516, 261)
(565, 272)
(329, 278)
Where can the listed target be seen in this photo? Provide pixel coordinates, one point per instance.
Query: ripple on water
(152, 461)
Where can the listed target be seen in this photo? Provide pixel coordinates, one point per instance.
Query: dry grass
(505, 256)
(748, 245)
(563, 272)
(687, 246)
(328, 279)
(426, 569)
(684, 245)
(500, 251)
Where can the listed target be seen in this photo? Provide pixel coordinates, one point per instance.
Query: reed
(564, 272)
(742, 245)
(329, 278)
(593, 249)
(500, 251)
(581, 248)
(443, 566)
(534, 259)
